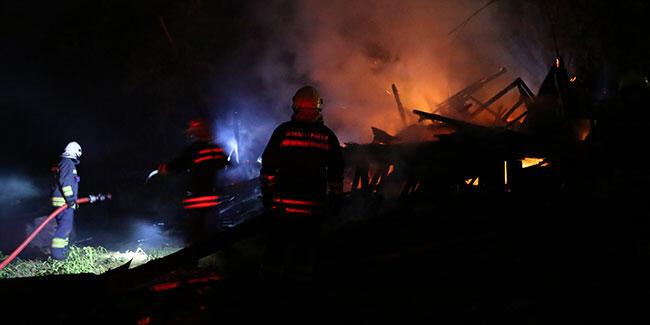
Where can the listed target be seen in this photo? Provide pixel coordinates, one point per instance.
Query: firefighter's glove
(72, 205)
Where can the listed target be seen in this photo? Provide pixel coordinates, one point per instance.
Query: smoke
(243, 132)
(152, 236)
(16, 188)
(133, 232)
(353, 51)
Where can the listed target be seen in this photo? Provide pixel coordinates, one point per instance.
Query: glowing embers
(175, 284)
(210, 154)
(472, 181)
(201, 202)
(534, 162)
(581, 128)
(370, 178)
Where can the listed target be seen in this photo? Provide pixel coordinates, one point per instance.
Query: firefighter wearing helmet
(302, 180)
(199, 162)
(65, 187)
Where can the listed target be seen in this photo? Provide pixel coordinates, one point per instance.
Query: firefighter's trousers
(64, 222)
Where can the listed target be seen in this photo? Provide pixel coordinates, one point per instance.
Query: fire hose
(89, 199)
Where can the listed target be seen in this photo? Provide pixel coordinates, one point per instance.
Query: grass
(86, 259)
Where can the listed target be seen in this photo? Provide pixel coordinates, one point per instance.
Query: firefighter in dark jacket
(201, 161)
(64, 191)
(302, 181)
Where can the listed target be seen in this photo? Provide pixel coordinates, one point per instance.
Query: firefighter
(302, 180)
(64, 191)
(200, 161)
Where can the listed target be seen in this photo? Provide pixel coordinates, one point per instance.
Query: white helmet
(72, 150)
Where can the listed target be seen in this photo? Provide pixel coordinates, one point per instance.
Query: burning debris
(459, 149)
(460, 183)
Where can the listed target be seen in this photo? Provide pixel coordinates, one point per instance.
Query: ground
(487, 260)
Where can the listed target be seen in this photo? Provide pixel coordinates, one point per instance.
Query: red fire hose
(89, 199)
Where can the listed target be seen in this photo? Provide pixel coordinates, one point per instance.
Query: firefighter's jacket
(65, 182)
(301, 165)
(201, 160)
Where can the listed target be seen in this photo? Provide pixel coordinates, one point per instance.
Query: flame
(581, 128)
(529, 162)
(354, 52)
(474, 181)
(557, 63)
(573, 79)
(420, 91)
(391, 169)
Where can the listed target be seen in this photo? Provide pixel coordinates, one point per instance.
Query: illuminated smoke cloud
(354, 50)
(15, 189)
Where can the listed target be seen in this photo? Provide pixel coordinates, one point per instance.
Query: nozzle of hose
(99, 197)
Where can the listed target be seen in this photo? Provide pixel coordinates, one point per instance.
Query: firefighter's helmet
(72, 150)
(633, 80)
(307, 97)
(198, 129)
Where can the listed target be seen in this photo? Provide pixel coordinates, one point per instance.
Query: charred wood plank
(400, 107)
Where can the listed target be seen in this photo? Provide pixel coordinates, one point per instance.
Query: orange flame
(529, 162)
(472, 181)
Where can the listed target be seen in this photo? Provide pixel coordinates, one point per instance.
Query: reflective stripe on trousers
(201, 202)
(58, 242)
(295, 206)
